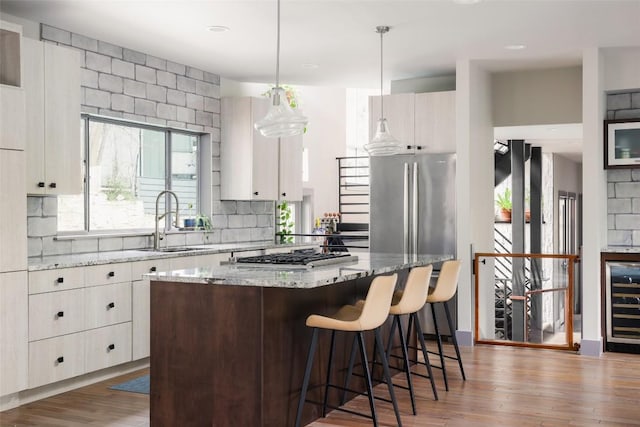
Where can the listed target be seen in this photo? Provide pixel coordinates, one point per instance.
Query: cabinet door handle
(60, 359)
(152, 269)
(419, 147)
(111, 347)
(409, 147)
(284, 194)
(111, 305)
(60, 314)
(111, 274)
(52, 185)
(60, 280)
(255, 193)
(41, 184)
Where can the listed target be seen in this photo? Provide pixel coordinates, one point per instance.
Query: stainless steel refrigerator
(413, 210)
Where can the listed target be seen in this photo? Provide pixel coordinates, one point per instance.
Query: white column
(594, 183)
(474, 183)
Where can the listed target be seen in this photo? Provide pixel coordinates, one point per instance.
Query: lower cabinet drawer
(107, 346)
(56, 359)
(107, 305)
(56, 313)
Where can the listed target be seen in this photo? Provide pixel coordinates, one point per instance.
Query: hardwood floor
(505, 386)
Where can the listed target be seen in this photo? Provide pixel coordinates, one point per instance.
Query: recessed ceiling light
(310, 66)
(218, 28)
(515, 47)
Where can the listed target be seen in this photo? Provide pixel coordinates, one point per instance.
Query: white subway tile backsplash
(166, 79)
(84, 245)
(123, 68)
(158, 63)
(156, 93)
(109, 49)
(34, 246)
(110, 244)
(41, 226)
(145, 74)
(620, 237)
(619, 206)
(55, 247)
(98, 62)
(175, 97)
(134, 56)
(34, 206)
(50, 206)
(627, 189)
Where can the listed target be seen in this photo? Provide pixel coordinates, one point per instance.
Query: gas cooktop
(296, 259)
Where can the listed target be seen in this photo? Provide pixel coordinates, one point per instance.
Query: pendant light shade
(383, 143)
(281, 120)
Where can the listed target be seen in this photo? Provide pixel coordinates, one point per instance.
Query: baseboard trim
(465, 338)
(591, 348)
(14, 400)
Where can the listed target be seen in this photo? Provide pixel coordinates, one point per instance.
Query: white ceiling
(339, 36)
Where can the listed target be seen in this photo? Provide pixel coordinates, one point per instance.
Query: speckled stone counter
(622, 249)
(368, 264)
(95, 258)
(229, 343)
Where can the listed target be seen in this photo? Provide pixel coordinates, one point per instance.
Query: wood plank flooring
(506, 386)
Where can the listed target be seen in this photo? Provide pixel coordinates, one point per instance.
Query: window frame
(86, 120)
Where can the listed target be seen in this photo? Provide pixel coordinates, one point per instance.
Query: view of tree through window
(127, 169)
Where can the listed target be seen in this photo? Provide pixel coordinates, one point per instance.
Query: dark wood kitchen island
(229, 343)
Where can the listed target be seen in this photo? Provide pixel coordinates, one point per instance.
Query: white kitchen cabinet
(60, 279)
(399, 110)
(435, 124)
(52, 87)
(248, 159)
(56, 359)
(13, 214)
(290, 169)
(107, 305)
(107, 274)
(13, 332)
(12, 118)
(140, 295)
(422, 122)
(56, 313)
(254, 167)
(109, 346)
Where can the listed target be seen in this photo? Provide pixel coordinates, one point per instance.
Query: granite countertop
(368, 264)
(95, 258)
(622, 249)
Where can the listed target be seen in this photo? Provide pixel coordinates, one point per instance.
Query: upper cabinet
(254, 167)
(435, 127)
(51, 80)
(422, 122)
(399, 111)
(10, 58)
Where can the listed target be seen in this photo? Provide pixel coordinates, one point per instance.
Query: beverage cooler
(621, 283)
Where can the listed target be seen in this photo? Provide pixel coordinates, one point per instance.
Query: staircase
(353, 193)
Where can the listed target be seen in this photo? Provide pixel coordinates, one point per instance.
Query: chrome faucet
(156, 235)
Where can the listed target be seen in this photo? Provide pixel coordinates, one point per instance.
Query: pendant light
(383, 143)
(281, 120)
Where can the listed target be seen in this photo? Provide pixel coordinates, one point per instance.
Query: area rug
(136, 385)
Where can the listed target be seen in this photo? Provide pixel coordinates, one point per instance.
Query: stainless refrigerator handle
(405, 244)
(414, 215)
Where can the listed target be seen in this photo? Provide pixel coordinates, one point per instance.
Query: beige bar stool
(407, 302)
(374, 312)
(444, 290)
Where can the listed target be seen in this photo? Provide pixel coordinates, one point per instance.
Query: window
(127, 166)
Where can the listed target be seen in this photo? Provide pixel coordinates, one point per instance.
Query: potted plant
(503, 201)
(284, 222)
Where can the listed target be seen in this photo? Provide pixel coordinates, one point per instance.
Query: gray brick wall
(623, 185)
(124, 83)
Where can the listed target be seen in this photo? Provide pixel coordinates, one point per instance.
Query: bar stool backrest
(415, 291)
(447, 282)
(378, 301)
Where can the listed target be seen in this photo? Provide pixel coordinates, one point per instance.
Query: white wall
(325, 137)
(534, 97)
(424, 84)
(567, 176)
(621, 68)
